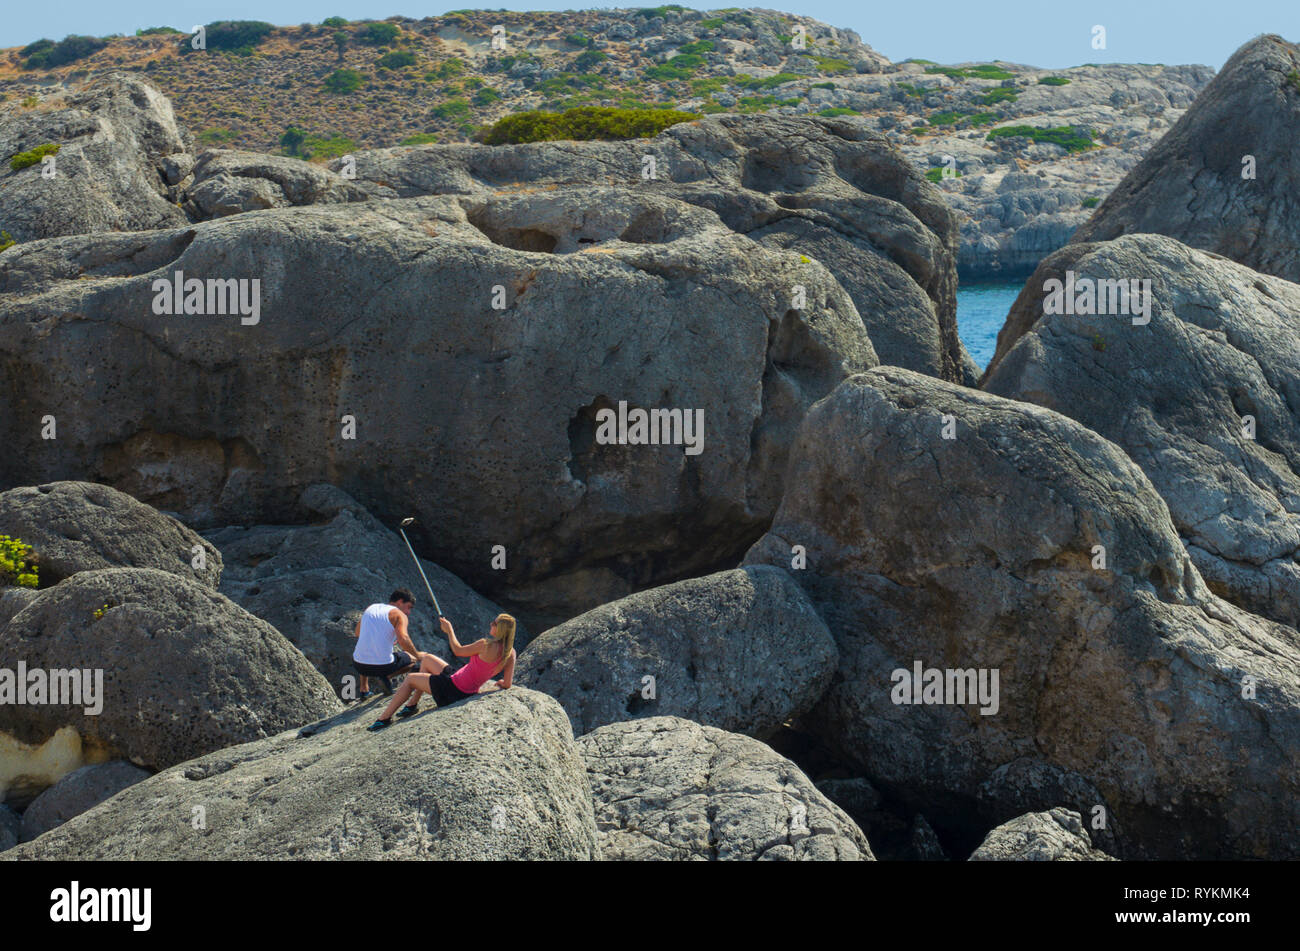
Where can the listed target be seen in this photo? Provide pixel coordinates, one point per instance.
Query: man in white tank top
(380, 628)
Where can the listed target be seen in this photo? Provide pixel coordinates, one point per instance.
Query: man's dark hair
(401, 594)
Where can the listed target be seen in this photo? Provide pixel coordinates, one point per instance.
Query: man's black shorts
(400, 660)
(443, 691)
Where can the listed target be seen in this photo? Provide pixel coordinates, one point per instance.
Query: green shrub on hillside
(447, 69)
(936, 174)
(586, 122)
(770, 82)
(651, 12)
(6, 241)
(397, 59)
(699, 46)
(1001, 94)
(420, 138)
(159, 30)
(318, 147)
(982, 71)
(588, 60)
(46, 54)
(217, 135)
(378, 34)
(828, 64)
(32, 156)
(236, 36)
(344, 82)
(456, 110)
(1053, 81)
(1090, 202)
(334, 22)
(1070, 138)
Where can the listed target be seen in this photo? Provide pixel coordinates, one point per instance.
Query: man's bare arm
(398, 620)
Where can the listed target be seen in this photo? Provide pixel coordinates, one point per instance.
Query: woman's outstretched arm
(457, 648)
(509, 672)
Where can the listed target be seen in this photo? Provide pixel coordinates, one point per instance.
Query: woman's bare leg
(414, 684)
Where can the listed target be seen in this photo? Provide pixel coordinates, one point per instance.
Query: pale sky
(1047, 33)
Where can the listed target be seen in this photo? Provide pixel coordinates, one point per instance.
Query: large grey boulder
(667, 789)
(82, 526)
(115, 135)
(185, 670)
(979, 555)
(311, 582)
(827, 188)
(1055, 836)
(1205, 398)
(76, 792)
(229, 182)
(495, 777)
(1198, 185)
(740, 650)
(483, 423)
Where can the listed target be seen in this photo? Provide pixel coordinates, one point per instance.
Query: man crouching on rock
(380, 628)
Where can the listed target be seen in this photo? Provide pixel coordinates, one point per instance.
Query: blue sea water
(981, 312)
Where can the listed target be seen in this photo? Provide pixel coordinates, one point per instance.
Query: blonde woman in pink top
(488, 657)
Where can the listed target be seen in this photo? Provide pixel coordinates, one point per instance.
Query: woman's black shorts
(443, 691)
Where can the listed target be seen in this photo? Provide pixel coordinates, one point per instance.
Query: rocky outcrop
(740, 650)
(400, 365)
(80, 790)
(311, 582)
(183, 671)
(82, 526)
(1018, 200)
(230, 182)
(824, 188)
(117, 138)
(979, 554)
(1055, 836)
(1222, 179)
(427, 788)
(668, 789)
(1205, 398)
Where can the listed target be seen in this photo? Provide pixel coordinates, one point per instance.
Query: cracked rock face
(1055, 836)
(430, 788)
(741, 650)
(977, 553)
(1191, 185)
(1205, 398)
(484, 423)
(668, 789)
(185, 670)
(116, 136)
(82, 526)
(819, 187)
(228, 182)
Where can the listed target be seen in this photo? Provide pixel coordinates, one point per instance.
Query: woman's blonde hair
(505, 635)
